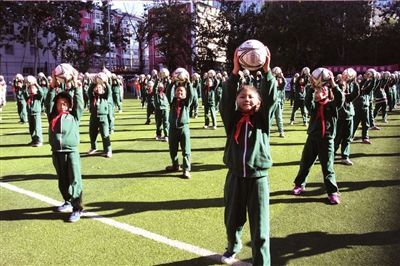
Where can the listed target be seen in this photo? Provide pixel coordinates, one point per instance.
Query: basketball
(320, 76)
(276, 71)
(252, 54)
(164, 73)
(101, 78)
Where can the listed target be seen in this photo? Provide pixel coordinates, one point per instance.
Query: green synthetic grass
(132, 187)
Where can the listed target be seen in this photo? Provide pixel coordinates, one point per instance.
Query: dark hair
(64, 95)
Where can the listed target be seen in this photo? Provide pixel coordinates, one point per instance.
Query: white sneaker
(92, 151)
(109, 154)
(214, 127)
(66, 207)
(166, 139)
(228, 258)
(205, 126)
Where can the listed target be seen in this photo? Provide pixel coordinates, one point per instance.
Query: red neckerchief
(55, 119)
(30, 99)
(178, 107)
(320, 114)
(244, 119)
(95, 99)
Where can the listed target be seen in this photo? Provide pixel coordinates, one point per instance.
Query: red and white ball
(181, 75)
(252, 54)
(65, 72)
(320, 76)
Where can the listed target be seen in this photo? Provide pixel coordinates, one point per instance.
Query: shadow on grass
(320, 190)
(17, 157)
(122, 208)
(46, 213)
(201, 261)
(299, 245)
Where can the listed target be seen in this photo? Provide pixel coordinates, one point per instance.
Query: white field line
(126, 227)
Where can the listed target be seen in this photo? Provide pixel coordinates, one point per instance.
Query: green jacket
(366, 86)
(183, 119)
(281, 84)
(330, 114)
(65, 137)
(99, 104)
(347, 110)
(34, 102)
(251, 156)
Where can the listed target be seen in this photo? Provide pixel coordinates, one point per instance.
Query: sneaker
(120, 111)
(297, 190)
(366, 141)
(385, 121)
(305, 124)
(375, 128)
(108, 154)
(147, 123)
(173, 168)
(186, 174)
(37, 144)
(91, 151)
(166, 139)
(75, 216)
(205, 126)
(158, 138)
(229, 258)
(214, 127)
(334, 198)
(346, 161)
(291, 123)
(282, 135)
(66, 207)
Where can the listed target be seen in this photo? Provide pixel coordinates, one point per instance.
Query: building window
(9, 49)
(27, 71)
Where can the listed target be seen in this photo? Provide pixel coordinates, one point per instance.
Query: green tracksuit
(161, 113)
(194, 107)
(344, 130)
(248, 161)
(209, 96)
(381, 98)
(116, 94)
(64, 141)
(179, 132)
(110, 115)
(299, 94)
(361, 108)
(34, 109)
(99, 111)
(281, 84)
(318, 143)
(20, 93)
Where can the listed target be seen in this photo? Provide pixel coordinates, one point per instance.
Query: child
(161, 112)
(3, 94)
(323, 102)
(34, 108)
(281, 84)
(117, 89)
(64, 120)
(351, 91)
(149, 99)
(299, 93)
(209, 92)
(98, 97)
(44, 84)
(20, 92)
(247, 156)
(196, 83)
(180, 96)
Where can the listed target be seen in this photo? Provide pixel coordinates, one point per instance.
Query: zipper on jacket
(245, 150)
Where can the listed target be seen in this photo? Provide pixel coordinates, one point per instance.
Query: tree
(169, 25)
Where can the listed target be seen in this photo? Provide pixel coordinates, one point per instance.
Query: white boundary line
(126, 227)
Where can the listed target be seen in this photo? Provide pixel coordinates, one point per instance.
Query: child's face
(62, 105)
(321, 93)
(32, 89)
(248, 100)
(209, 82)
(160, 88)
(180, 92)
(99, 89)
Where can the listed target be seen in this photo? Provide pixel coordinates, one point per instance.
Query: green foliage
(170, 25)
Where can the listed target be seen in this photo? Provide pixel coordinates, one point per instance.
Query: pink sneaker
(334, 198)
(297, 190)
(366, 141)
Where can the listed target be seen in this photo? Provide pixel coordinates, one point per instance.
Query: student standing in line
(323, 99)
(64, 118)
(246, 113)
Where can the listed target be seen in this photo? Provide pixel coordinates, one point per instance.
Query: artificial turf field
(133, 189)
